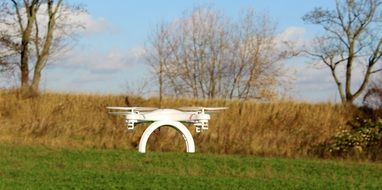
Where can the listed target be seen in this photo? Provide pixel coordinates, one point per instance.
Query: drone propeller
(119, 113)
(141, 109)
(206, 109)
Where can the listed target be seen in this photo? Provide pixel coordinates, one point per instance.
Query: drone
(176, 118)
(198, 116)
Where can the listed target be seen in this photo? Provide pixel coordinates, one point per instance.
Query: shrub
(363, 138)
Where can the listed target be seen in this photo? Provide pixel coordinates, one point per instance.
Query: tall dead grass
(288, 129)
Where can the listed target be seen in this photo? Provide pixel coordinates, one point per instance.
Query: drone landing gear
(190, 145)
(130, 124)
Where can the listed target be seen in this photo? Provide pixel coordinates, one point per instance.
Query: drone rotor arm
(203, 109)
(132, 109)
(118, 113)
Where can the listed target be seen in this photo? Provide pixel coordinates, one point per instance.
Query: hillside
(289, 129)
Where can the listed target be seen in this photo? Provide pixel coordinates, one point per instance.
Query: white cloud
(90, 23)
(112, 60)
(294, 36)
(292, 33)
(69, 21)
(89, 70)
(312, 84)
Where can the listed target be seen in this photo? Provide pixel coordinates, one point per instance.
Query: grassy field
(39, 167)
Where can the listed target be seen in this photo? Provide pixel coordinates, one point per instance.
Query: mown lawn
(36, 167)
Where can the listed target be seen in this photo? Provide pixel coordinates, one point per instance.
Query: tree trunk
(25, 41)
(43, 56)
(348, 79)
(160, 83)
(24, 68)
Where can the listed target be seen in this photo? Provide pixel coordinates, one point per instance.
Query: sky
(107, 56)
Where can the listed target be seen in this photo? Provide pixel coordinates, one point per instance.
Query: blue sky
(106, 57)
(135, 19)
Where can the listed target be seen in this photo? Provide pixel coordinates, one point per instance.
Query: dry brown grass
(288, 129)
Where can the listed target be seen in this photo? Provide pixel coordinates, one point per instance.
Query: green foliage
(36, 167)
(363, 138)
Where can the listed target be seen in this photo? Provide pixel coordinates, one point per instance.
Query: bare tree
(159, 57)
(205, 55)
(352, 37)
(256, 56)
(31, 31)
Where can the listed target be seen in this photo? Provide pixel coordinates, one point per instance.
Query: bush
(363, 138)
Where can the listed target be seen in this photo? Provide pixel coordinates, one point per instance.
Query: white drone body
(198, 116)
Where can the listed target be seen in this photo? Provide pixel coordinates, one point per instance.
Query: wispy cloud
(293, 37)
(92, 70)
(97, 61)
(292, 33)
(91, 24)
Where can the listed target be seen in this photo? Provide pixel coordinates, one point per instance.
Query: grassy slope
(289, 129)
(38, 167)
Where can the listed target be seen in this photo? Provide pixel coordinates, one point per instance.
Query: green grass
(36, 167)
